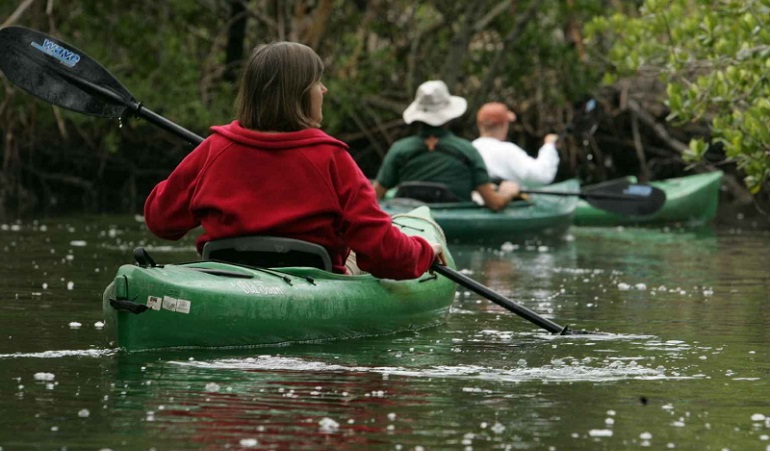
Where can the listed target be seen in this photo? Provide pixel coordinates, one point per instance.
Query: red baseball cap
(495, 113)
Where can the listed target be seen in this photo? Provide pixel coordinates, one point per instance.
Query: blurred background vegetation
(639, 61)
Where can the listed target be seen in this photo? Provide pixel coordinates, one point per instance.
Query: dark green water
(686, 364)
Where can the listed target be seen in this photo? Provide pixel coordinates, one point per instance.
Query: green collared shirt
(454, 162)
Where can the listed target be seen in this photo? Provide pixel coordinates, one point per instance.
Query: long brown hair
(274, 93)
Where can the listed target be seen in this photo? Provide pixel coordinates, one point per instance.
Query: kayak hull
(538, 218)
(690, 200)
(213, 304)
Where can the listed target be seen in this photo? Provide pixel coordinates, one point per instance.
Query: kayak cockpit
(428, 192)
(268, 252)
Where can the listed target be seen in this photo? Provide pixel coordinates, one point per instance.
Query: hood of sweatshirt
(287, 140)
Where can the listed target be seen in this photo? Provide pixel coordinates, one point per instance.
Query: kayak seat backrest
(268, 252)
(430, 192)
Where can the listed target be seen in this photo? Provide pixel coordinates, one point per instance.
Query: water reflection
(367, 393)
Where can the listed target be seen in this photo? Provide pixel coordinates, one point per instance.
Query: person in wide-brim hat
(449, 164)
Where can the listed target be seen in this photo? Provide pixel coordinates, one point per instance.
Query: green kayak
(217, 304)
(692, 200)
(540, 216)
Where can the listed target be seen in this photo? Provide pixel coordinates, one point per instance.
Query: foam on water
(59, 354)
(558, 370)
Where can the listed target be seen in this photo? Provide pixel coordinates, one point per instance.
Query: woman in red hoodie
(273, 172)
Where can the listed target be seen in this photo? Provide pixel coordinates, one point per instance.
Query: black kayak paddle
(64, 76)
(617, 196)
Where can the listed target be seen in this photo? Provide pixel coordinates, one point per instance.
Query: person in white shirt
(507, 161)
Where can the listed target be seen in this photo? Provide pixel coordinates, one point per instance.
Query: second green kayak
(690, 200)
(541, 216)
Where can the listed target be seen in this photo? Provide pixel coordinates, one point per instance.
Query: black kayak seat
(268, 252)
(429, 192)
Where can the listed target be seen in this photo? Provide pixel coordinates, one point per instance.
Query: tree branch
(458, 48)
(639, 147)
(314, 33)
(656, 127)
(17, 13)
(491, 15)
(496, 60)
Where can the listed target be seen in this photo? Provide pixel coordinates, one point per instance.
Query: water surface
(682, 362)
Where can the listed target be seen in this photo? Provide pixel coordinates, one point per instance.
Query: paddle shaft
(136, 107)
(584, 195)
(499, 299)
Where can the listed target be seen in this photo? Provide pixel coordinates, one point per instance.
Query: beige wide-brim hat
(434, 105)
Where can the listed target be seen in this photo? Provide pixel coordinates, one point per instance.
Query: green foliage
(714, 56)
(171, 56)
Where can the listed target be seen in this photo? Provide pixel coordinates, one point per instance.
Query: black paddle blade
(60, 74)
(625, 198)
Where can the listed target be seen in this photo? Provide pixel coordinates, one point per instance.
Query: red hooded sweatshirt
(301, 185)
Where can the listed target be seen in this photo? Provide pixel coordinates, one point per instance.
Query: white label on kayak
(258, 288)
(154, 302)
(182, 306)
(169, 303)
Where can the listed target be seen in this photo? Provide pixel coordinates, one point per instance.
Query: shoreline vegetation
(182, 59)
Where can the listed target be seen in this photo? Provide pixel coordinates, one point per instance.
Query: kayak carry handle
(128, 306)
